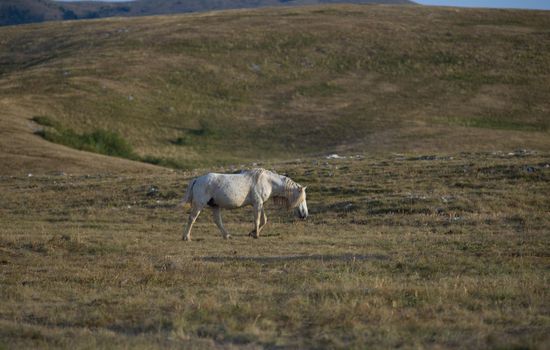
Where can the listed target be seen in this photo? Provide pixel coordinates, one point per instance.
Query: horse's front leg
(263, 219)
(257, 218)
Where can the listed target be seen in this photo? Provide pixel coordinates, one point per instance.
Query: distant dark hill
(30, 11)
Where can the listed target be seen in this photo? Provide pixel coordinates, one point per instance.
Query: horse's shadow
(285, 258)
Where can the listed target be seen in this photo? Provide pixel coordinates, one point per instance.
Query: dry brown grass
(405, 251)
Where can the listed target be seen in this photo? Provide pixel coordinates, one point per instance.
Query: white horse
(249, 187)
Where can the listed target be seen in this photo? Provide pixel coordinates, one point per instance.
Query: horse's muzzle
(302, 214)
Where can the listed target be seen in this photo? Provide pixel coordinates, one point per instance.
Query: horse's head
(294, 197)
(301, 205)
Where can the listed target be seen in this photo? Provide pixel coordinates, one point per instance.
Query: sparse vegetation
(442, 251)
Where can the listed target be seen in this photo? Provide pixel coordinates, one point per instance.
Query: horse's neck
(277, 185)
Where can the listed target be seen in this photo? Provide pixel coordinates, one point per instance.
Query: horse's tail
(188, 194)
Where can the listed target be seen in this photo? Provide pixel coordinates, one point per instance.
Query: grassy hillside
(249, 85)
(150, 7)
(398, 252)
(30, 11)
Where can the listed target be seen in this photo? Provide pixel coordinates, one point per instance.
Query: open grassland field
(199, 90)
(409, 251)
(435, 236)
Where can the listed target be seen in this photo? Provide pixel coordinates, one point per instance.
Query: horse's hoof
(227, 237)
(185, 238)
(255, 236)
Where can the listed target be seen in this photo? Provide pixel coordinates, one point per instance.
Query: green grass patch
(503, 123)
(102, 141)
(445, 58)
(323, 89)
(44, 120)
(98, 141)
(470, 77)
(209, 131)
(165, 162)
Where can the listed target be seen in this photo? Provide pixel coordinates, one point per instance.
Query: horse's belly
(229, 191)
(230, 199)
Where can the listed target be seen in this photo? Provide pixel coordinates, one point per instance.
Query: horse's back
(224, 190)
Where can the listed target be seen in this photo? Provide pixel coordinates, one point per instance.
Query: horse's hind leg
(192, 217)
(217, 213)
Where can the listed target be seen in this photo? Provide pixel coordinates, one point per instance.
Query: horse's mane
(291, 198)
